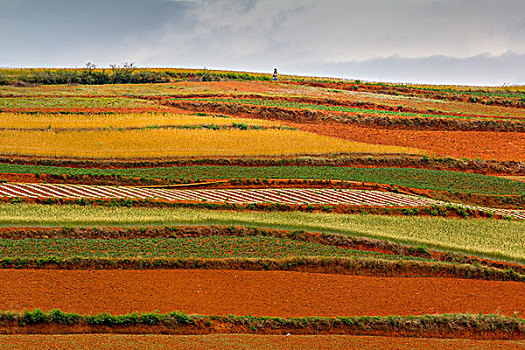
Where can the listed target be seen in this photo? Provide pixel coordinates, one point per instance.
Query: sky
(469, 42)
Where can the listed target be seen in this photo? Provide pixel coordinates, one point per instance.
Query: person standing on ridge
(275, 74)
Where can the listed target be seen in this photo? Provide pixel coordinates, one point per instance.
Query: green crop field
(452, 181)
(483, 237)
(187, 247)
(71, 102)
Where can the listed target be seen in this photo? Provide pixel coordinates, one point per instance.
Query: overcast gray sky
(478, 42)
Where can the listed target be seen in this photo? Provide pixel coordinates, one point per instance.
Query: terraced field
(332, 108)
(306, 206)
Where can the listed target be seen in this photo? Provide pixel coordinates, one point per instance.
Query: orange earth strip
(259, 293)
(244, 341)
(501, 146)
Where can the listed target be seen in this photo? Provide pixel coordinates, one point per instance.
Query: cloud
(64, 32)
(294, 32)
(260, 34)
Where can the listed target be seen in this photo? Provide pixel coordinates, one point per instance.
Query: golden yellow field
(114, 121)
(180, 142)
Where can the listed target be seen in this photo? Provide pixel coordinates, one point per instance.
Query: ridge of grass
(494, 326)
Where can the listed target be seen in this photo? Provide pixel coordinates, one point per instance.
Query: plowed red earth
(244, 341)
(259, 293)
(502, 146)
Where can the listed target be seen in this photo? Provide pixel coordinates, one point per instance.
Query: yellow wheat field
(179, 142)
(115, 121)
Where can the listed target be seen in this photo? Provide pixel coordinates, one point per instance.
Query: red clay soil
(501, 146)
(245, 341)
(259, 293)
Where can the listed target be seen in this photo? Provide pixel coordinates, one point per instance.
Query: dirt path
(267, 293)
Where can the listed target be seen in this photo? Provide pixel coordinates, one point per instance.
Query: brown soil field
(243, 341)
(500, 146)
(258, 293)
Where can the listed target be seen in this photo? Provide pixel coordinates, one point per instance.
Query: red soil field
(243, 341)
(259, 293)
(486, 145)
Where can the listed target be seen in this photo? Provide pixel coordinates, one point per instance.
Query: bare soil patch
(501, 146)
(243, 341)
(259, 293)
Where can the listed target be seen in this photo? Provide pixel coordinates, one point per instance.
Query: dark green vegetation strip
(439, 180)
(123, 75)
(460, 325)
(187, 247)
(320, 107)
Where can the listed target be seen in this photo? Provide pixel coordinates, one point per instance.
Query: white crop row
(239, 196)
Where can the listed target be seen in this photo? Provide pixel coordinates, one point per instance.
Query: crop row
(186, 247)
(295, 196)
(499, 239)
(154, 143)
(240, 196)
(116, 121)
(439, 180)
(71, 102)
(355, 244)
(331, 108)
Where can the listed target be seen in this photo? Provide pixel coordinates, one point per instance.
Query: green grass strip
(439, 180)
(497, 239)
(433, 325)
